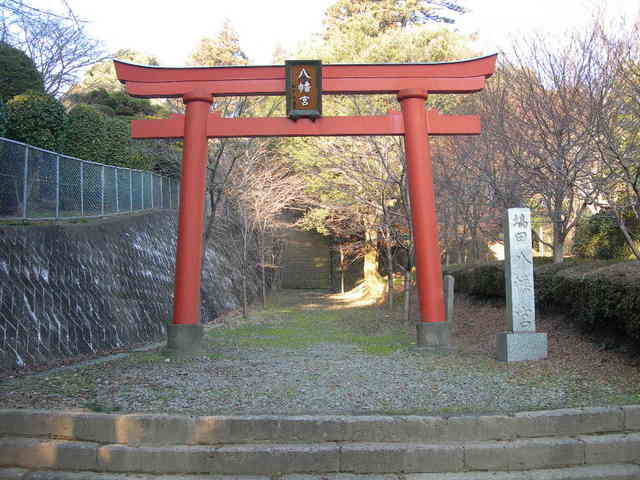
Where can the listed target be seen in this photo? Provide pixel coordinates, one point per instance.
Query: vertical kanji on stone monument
(520, 342)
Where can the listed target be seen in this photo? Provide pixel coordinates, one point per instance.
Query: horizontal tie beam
(391, 124)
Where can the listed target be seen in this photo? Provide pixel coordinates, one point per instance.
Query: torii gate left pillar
(185, 332)
(411, 83)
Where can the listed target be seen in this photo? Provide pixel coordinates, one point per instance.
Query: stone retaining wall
(70, 289)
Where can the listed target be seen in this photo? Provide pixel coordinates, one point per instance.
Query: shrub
(116, 149)
(485, 280)
(599, 296)
(37, 119)
(599, 237)
(91, 135)
(85, 133)
(18, 73)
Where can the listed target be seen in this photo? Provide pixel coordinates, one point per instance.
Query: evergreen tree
(18, 73)
(223, 50)
(375, 17)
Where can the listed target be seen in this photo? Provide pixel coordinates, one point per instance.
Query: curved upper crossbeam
(463, 76)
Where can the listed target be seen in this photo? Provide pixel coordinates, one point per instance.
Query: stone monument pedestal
(434, 335)
(521, 346)
(184, 339)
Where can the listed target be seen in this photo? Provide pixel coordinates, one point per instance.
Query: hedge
(596, 295)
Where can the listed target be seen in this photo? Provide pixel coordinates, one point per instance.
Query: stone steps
(565, 440)
(591, 472)
(256, 459)
(152, 429)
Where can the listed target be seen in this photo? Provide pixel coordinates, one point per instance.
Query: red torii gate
(410, 82)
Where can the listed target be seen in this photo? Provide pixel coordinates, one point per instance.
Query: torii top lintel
(464, 76)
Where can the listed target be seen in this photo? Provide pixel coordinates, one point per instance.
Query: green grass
(625, 399)
(295, 328)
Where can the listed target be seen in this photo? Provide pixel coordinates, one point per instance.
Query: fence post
(102, 191)
(81, 188)
(153, 190)
(25, 187)
(161, 195)
(117, 199)
(142, 191)
(57, 186)
(130, 192)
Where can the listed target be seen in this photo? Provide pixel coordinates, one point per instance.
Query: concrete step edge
(591, 472)
(249, 459)
(157, 429)
(24, 474)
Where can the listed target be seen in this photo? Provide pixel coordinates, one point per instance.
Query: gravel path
(310, 352)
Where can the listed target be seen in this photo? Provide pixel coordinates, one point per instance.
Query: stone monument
(449, 282)
(521, 341)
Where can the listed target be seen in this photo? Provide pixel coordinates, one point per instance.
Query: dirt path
(314, 352)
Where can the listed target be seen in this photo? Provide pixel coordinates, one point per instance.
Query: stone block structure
(520, 342)
(72, 289)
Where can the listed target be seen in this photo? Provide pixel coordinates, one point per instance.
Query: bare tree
(617, 137)
(469, 217)
(261, 189)
(549, 129)
(57, 44)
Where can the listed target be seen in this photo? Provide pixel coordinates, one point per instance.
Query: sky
(171, 30)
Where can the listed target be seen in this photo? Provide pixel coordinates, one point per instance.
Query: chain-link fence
(39, 184)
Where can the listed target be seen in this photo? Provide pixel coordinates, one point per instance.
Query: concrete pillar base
(521, 346)
(434, 335)
(184, 339)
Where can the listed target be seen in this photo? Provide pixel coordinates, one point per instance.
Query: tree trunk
(558, 244)
(371, 274)
(475, 245)
(389, 275)
(276, 260)
(244, 298)
(341, 269)
(627, 235)
(245, 246)
(407, 295)
(264, 279)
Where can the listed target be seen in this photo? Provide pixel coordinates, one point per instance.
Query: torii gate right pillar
(432, 329)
